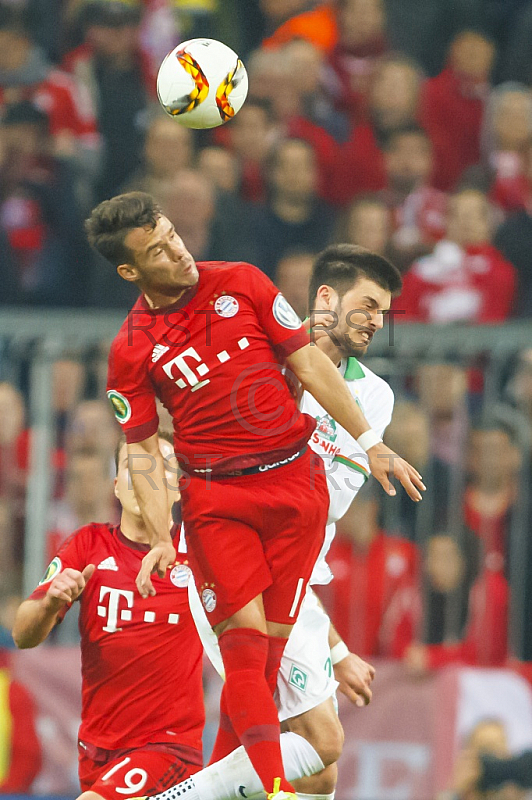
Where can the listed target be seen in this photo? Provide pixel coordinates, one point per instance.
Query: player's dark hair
(162, 434)
(112, 220)
(340, 266)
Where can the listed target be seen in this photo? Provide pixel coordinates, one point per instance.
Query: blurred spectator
(465, 278)
(453, 105)
(393, 103)
(250, 137)
(293, 277)
(221, 167)
(369, 567)
(68, 384)
(361, 41)
(88, 498)
(418, 209)
(520, 386)
(13, 440)
(8, 608)
(514, 240)
(169, 147)
(21, 745)
(26, 75)
(442, 392)
(455, 616)
(214, 227)
(488, 738)
(369, 224)
(493, 462)
(294, 216)
(287, 20)
(92, 429)
(111, 65)
(38, 212)
(507, 135)
(11, 551)
(409, 434)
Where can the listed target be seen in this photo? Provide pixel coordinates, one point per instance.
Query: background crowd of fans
(401, 126)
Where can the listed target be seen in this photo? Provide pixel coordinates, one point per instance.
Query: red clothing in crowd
(451, 112)
(20, 748)
(420, 218)
(317, 26)
(68, 106)
(485, 638)
(491, 529)
(451, 284)
(349, 73)
(364, 585)
(79, 62)
(357, 168)
(511, 189)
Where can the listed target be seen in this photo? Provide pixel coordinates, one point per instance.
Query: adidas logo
(158, 351)
(108, 563)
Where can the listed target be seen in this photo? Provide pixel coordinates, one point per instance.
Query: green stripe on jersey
(352, 464)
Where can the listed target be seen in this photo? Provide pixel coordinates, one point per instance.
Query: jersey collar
(352, 369)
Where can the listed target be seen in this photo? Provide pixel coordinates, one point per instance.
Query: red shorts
(115, 774)
(256, 534)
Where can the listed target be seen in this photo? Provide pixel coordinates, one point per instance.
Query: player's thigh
(225, 553)
(139, 773)
(292, 536)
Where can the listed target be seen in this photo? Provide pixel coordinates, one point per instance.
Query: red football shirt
(214, 359)
(141, 660)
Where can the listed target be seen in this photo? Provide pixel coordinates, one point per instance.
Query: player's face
(360, 315)
(161, 262)
(124, 487)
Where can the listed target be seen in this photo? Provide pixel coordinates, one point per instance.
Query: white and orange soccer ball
(202, 83)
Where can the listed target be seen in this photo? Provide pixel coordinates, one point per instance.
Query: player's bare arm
(36, 618)
(147, 472)
(319, 376)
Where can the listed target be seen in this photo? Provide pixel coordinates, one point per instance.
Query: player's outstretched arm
(36, 618)
(146, 469)
(318, 375)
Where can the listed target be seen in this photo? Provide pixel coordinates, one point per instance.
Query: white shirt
(346, 464)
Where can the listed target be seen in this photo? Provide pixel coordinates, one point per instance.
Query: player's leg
(234, 778)
(230, 571)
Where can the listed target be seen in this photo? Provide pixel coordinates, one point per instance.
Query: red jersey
(214, 360)
(141, 660)
(475, 284)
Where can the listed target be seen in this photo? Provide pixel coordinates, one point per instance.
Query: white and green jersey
(346, 463)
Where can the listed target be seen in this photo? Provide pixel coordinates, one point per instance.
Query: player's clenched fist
(68, 585)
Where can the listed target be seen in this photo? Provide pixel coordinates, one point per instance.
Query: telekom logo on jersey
(120, 603)
(189, 359)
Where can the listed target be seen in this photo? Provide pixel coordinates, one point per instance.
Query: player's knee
(322, 728)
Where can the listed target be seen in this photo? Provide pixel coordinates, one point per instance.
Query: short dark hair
(162, 434)
(112, 220)
(341, 265)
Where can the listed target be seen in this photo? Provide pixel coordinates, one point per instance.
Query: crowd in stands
(400, 126)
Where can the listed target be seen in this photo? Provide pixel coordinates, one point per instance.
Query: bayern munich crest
(226, 306)
(180, 575)
(208, 598)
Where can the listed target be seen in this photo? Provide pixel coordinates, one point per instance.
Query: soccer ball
(202, 83)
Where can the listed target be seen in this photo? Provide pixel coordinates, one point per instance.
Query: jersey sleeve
(278, 319)
(72, 554)
(131, 392)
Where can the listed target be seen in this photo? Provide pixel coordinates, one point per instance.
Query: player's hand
(68, 585)
(321, 321)
(385, 464)
(160, 557)
(355, 676)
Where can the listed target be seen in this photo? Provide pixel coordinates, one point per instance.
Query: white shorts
(306, 677)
